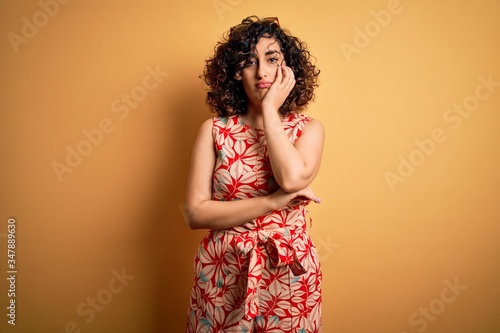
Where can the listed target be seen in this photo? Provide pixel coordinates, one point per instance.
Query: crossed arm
(296, 171)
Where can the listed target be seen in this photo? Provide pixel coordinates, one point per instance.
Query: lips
(263, 84)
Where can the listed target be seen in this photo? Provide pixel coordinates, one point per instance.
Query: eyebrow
(269, 52)
(272, 52)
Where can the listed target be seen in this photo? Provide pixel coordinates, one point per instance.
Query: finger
(289, 75)
(279, 75)
(288, 83)
(308, 192)
(292, 78)
(312, 196)
(285, 68)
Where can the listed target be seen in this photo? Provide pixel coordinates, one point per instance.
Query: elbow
(192, 220)
(295, 180)
(291, 184)
(193, 225)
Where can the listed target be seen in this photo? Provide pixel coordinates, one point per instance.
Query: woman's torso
(243, 169)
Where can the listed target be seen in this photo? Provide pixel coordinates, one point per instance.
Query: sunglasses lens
(272, 19)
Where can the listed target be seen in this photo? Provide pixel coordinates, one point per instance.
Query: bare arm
(294, 166)
(204, 213)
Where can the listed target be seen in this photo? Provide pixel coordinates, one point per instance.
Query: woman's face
(261, 69)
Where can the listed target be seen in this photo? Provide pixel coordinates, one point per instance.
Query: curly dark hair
(226, 95)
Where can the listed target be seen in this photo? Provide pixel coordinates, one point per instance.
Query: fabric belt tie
(280, 253)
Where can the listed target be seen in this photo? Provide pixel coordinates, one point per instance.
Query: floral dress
(264, 275)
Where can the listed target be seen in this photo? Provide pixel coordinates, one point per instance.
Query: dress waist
(277, 242)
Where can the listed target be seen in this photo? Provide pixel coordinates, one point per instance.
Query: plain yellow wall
(409, 224)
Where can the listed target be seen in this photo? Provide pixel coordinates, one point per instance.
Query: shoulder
(314, 128)
(298, 119)
(217, 124)
(206, 128)
(223, 122)
(302, 121)
(314, 125)
(307, 122)
(207, 125)
(216, 121)
(311, 127)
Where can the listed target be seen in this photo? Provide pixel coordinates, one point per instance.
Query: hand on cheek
(281, 87)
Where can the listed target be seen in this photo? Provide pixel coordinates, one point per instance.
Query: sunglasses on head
(272, 19)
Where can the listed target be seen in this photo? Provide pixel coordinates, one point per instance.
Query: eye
(250, 62)
(273, 60)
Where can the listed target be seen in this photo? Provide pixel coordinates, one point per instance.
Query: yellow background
(389, 253)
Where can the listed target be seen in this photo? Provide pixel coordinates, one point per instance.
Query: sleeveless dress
(264, 275)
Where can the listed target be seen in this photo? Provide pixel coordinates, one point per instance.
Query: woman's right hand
(281, 198)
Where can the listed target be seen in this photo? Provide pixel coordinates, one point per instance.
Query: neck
(254, 118)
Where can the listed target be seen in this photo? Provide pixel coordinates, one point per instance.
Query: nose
(260, 72)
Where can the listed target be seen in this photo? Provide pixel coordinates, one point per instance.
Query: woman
(257, 269)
